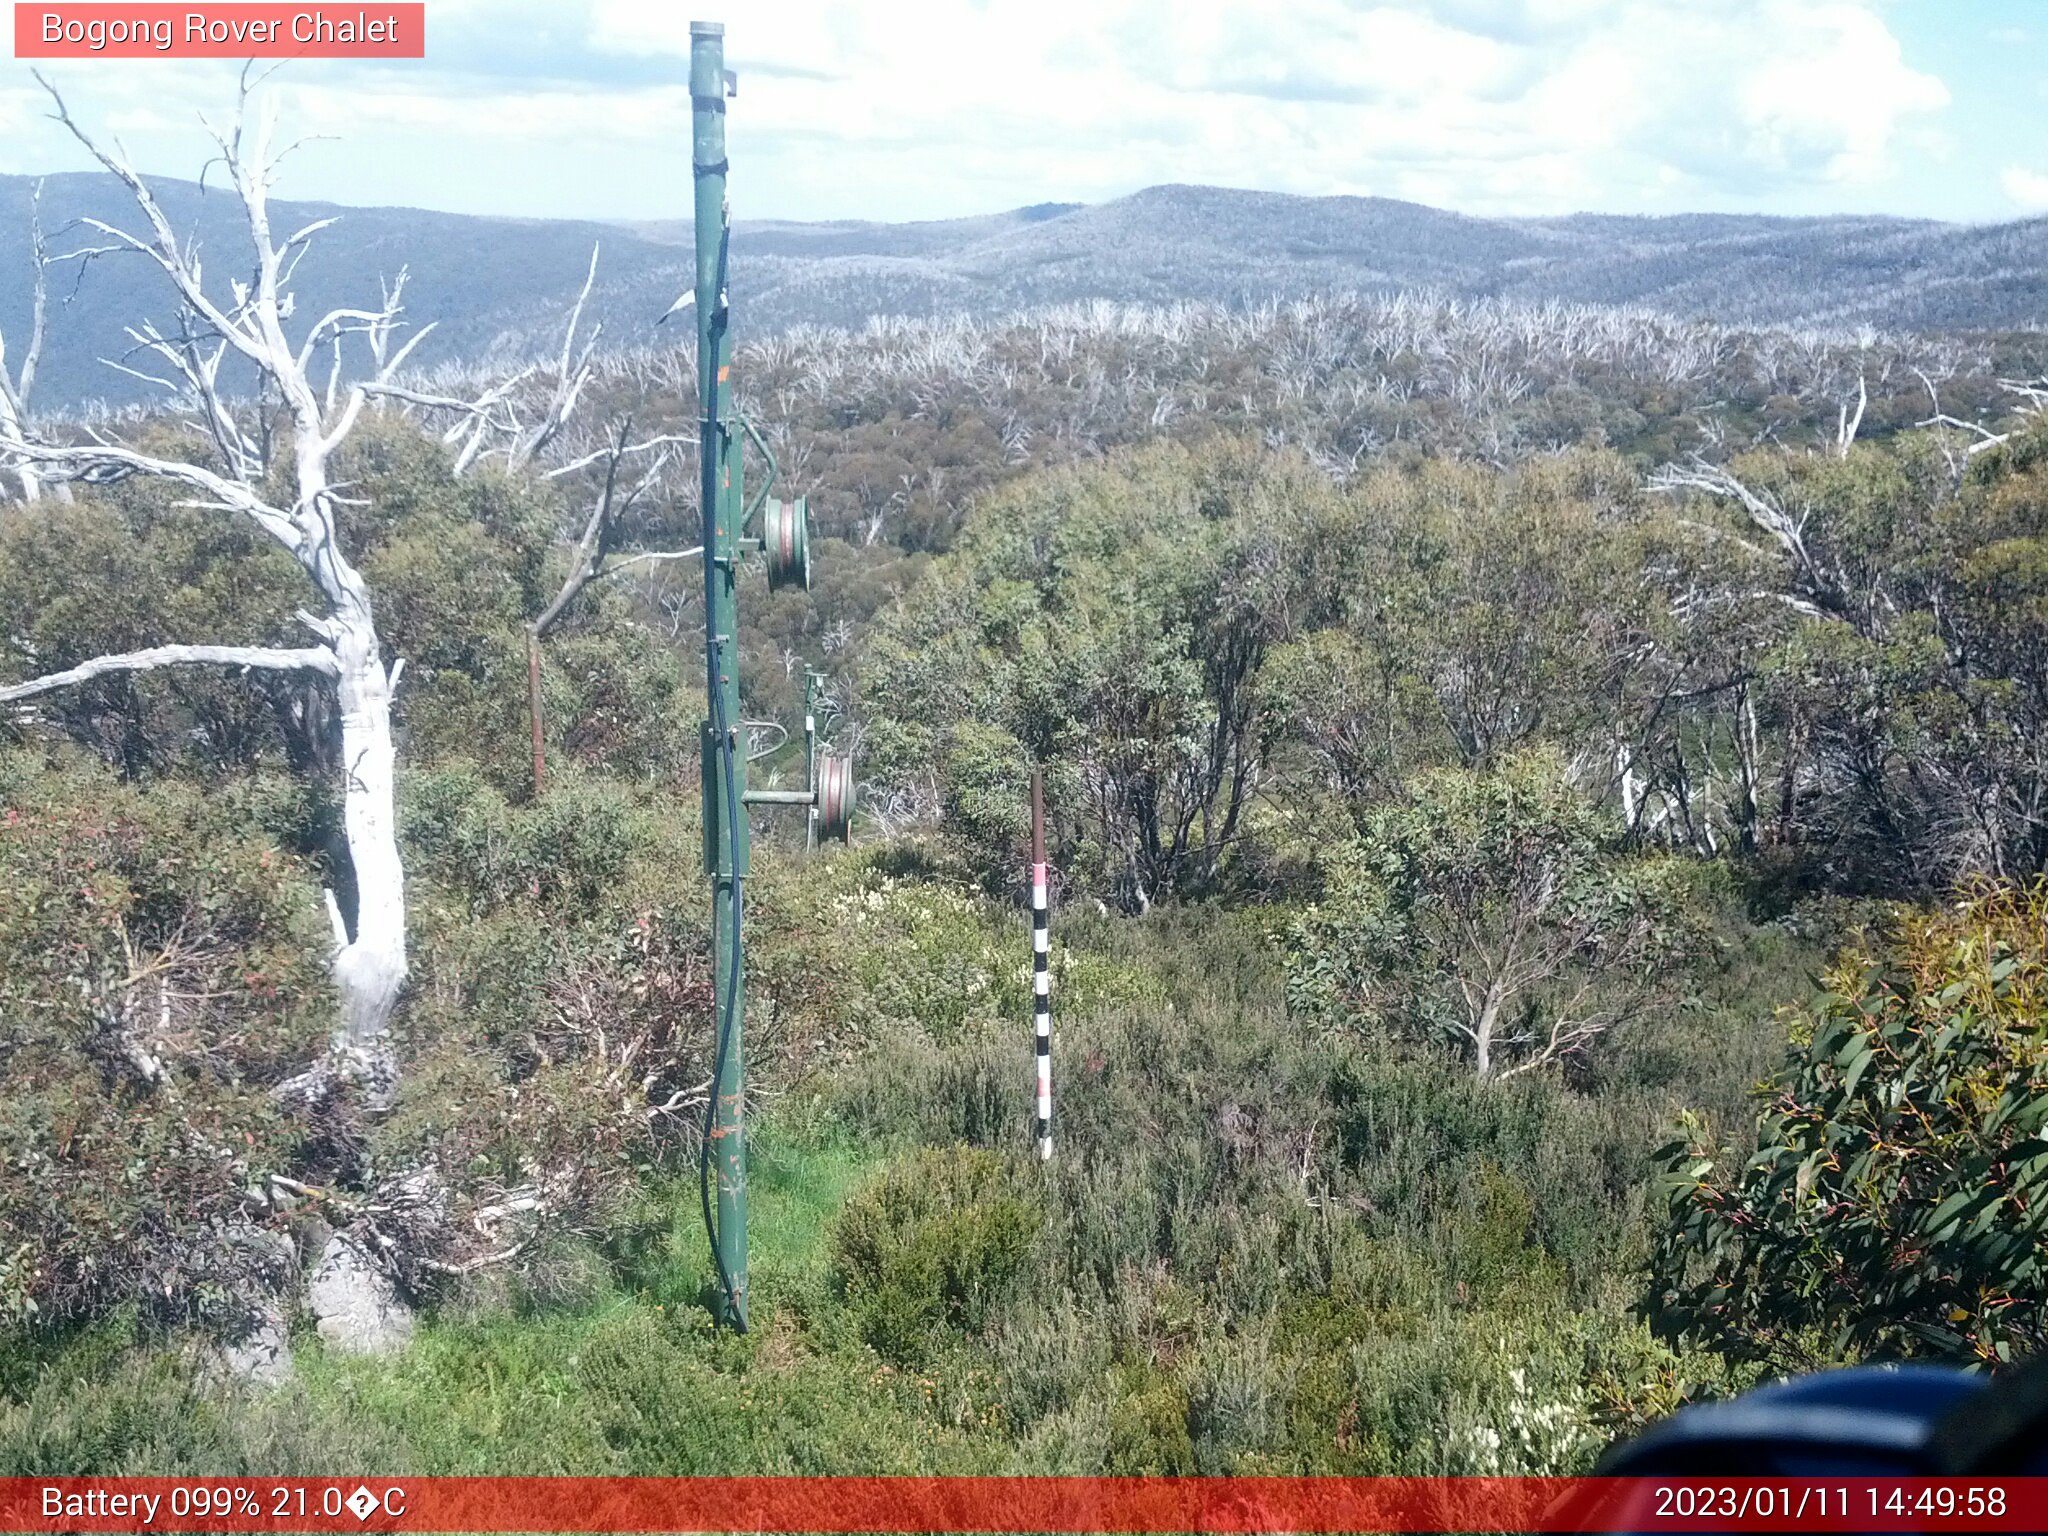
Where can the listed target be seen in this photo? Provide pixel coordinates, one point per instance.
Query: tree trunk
(533, 711)
(1749, 758)
(1631, 788)
(370, 965)
(11, 425)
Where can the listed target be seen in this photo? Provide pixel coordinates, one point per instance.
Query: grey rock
(354, 1303)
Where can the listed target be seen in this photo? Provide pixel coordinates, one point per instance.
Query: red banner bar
(1004, 1504)
(71, 30)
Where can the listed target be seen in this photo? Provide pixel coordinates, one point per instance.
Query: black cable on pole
(711, 461)
(732, 992)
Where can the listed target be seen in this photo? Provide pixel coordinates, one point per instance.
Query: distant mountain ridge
(498, 286)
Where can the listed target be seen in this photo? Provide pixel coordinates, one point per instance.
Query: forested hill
(496, 286)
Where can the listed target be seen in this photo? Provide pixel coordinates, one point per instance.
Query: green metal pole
(725, 834)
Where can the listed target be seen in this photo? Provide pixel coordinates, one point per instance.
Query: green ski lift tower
(784, 539)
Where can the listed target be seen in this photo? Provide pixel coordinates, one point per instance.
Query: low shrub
(160, 972)
(930, 1247)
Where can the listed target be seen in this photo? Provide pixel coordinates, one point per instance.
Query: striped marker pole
(811, 758)
(1041, 972)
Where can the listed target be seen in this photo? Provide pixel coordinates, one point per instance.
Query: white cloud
(1493, 105)
(1834, 90)
(1323, 51)
(16, 110)
(2028, 189)
(543, 116)
(933, 107)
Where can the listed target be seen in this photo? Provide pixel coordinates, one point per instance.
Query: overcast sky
(932, 108)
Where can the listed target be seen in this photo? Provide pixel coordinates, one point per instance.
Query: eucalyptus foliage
(1897, 1200)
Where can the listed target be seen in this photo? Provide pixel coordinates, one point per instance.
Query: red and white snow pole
(1041, 966)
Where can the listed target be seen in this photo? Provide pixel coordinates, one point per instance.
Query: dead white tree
(248, 325)
(1819, 587)
(2032, 398)
(17, 387)
(507, 414)
(1846, 424)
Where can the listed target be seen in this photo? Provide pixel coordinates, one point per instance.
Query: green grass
(636, 1379)
(800, 1170)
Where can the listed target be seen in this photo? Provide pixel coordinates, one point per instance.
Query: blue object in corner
(1867, 1420)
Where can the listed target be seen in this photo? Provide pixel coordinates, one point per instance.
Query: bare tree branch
(310, 659)
(572, 373)
(590, 563)
(499, 420)
(1786, 527)
(601, 528)
(647, 557)
(669, 439)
